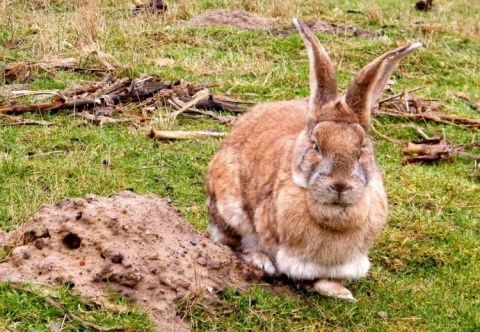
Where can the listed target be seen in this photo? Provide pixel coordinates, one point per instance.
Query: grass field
(425, 273)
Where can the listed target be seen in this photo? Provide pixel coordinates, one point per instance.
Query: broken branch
(171, 135)
(435, 117)
(399, 94)
(199, 96)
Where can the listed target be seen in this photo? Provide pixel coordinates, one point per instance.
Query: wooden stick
(467, 155)
(172, 135)
(221, 119)
(474, 104)
(23, 93)
(436, 117)
(199, 96)
(400, 94)
(31, 123)
(43, 154)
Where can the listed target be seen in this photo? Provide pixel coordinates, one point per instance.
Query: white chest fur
(297, 266)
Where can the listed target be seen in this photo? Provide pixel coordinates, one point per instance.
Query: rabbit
(295, 189)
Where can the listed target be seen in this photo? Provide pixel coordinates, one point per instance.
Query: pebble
(39, 244)
(201, 261)
(382, 314)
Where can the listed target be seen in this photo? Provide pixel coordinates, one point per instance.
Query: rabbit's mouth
(341, 202)
(338, 201)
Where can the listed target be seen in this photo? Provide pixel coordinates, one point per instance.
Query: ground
(137, 246)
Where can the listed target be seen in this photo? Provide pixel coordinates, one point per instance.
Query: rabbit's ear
(323, 85)
(371, 80)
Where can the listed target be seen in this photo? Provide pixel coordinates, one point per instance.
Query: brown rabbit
(295, 188)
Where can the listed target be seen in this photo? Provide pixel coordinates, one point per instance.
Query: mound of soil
(136, 245)
(328, 28)
(235, 18)
(248, 21)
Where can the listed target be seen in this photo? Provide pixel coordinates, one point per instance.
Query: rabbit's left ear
(371, 80)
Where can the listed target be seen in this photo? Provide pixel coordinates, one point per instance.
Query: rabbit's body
(295, 188)
(261, 209)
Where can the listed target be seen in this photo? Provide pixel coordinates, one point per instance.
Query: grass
(425, 264)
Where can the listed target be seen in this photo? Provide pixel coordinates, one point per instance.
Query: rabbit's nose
(340, 186)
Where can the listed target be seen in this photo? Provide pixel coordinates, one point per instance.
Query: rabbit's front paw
(261, 261)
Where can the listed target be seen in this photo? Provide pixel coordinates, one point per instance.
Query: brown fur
(296, 181)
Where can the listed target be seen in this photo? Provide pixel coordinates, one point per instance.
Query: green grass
(425, 264)
(29, 308)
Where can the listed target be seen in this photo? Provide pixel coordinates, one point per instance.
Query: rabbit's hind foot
(333, 288)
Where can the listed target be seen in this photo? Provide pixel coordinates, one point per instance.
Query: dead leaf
(474, 104)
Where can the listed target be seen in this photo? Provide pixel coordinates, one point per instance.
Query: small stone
(193, 242)
(180, 296)
(201, 261)
(39, 244)
(26, 254)
(382, 314)
(117, 259)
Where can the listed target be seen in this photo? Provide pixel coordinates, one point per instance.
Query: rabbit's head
(333, 156)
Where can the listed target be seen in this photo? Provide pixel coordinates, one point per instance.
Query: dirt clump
(138, 246)
(249, 21)
(328, 28)
(239, 19)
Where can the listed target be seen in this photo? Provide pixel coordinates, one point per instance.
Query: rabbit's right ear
(323, 85)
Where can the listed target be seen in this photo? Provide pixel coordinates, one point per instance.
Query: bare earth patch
(235, 18)
(248, 21)
(328, 28)
(138, 246)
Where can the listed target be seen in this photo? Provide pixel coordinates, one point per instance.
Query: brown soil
(137, 245)
(235, 18)
(248, 21)
(328, 28)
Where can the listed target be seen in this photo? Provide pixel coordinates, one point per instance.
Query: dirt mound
(329, 28)
(137, 245)
(248, 21)
(235, 18)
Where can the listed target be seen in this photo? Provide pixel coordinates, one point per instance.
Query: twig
(221, 119)
(168, 135)
(469, 101)
(469, 145)
(43, 154)
(100, 119)
(440, 118)
(390, 139)
(227, 99)
(24, 93)
(55, 304)
(32, 123)
(418, 130)
(467, 155)
(400, 94)
(199, 96)
(79, 320)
